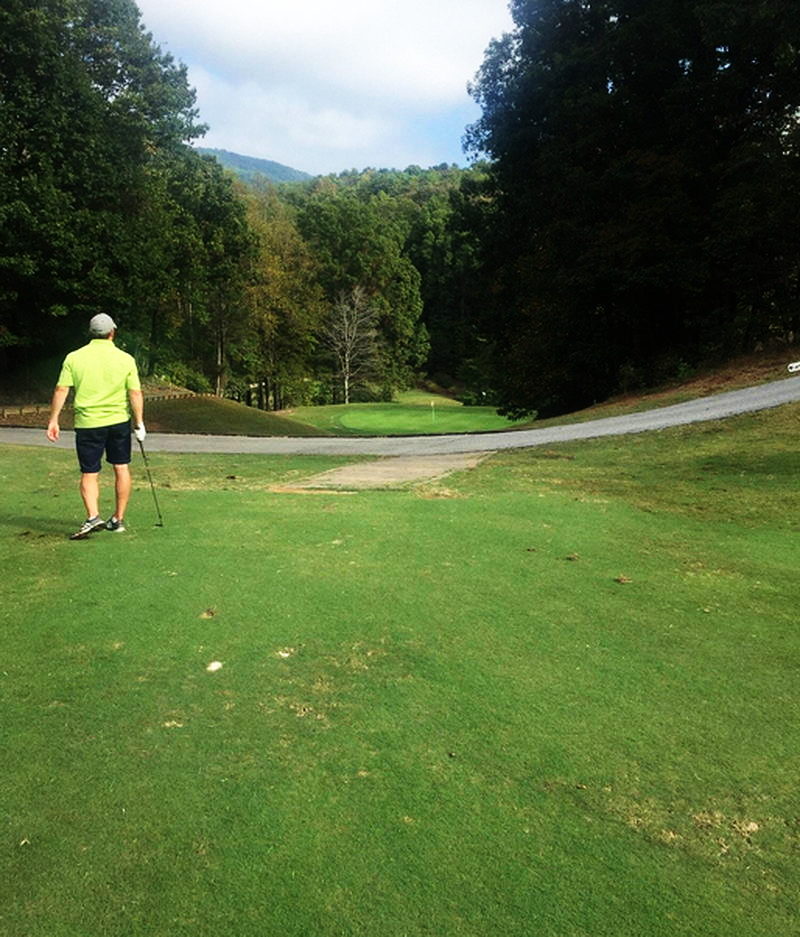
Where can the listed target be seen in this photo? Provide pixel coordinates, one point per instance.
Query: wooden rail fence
(21, 410)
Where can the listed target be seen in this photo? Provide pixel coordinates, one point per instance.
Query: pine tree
(640, 148)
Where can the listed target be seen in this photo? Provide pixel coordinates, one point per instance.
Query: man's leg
(89, 444)
(90, 492)
(122, 483)
(118, 453)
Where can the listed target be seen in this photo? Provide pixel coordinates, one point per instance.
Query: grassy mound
(554, 695)
(215, 416)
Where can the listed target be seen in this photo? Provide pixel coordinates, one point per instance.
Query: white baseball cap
(101, 325)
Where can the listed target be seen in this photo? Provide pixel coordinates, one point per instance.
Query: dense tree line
(635, 215)
(104, 206)
(644, 177)
(381, 240)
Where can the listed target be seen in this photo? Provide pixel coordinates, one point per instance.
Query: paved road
(718, 407)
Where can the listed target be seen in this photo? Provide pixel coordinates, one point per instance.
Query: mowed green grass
(413, 413)
(214, 415)
(438, 712)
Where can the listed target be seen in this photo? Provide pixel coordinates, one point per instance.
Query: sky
(330, 85)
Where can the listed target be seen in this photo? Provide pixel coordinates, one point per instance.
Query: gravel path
(717, 407)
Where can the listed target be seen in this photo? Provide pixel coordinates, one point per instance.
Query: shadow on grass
(778, 464)
(20, 526)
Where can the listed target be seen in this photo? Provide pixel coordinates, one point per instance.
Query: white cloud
(279, 124)
(352, 75)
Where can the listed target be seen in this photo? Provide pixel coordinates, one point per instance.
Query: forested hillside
(635, 215)
(253, 170)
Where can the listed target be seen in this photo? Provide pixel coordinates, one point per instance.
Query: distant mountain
(250, 169)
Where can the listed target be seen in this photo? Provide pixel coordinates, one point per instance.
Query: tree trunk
(220, 382)
(189, 311)
(346, 378)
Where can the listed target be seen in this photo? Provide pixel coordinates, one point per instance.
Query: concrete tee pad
(397, 471)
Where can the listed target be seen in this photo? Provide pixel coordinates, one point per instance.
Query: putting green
(412, 414)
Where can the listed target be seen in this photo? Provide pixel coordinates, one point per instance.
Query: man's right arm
(56, 405)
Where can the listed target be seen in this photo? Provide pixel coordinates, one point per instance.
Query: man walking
(105, 379)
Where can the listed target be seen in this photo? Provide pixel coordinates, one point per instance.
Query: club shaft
(152, 486)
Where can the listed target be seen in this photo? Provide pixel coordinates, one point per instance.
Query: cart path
(720, 406)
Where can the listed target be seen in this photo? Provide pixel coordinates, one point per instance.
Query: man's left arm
(137, 409)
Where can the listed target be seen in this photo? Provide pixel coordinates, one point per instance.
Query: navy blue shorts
(114, 440)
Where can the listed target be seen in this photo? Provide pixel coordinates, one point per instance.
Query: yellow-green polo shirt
(102, 375)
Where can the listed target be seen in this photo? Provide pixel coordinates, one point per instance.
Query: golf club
(152, 486)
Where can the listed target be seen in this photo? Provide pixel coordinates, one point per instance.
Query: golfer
(105, 378)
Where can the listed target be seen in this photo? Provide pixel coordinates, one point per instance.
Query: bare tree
(351, 335)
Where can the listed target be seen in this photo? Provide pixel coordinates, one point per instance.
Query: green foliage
(182, 374)
(284, 304)
(360, 244)
(480, 398)
(412, 238)
(646, 183)
(89, 104)
(104, 207)
(638, 213)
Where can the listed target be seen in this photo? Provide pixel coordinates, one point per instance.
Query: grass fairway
(438, 712)
(411, 414)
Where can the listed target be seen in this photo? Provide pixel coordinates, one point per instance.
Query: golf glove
(140, 432)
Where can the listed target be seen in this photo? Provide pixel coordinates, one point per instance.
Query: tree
(360, 242)
(284, 301)
(639, 149)
(90, 112)
(350, 335)
(444, 246)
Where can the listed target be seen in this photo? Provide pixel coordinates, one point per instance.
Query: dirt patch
(436, 493)
(298, 490)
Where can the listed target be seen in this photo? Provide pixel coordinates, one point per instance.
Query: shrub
(185, 376)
